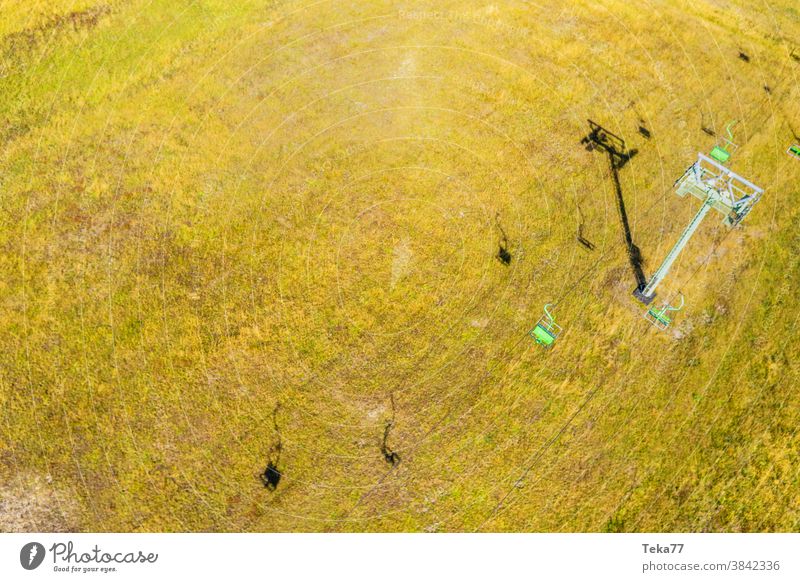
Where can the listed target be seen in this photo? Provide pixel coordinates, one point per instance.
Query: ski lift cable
(592, 393)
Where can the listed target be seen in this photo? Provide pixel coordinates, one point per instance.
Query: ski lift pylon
(658, 315)
(546, 330)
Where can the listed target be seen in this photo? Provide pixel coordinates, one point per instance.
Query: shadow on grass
(272, 475)
(579, 237)
(503, 254)
(603, 140)
(389, 455)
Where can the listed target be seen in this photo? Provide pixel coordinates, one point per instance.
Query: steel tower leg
(646, 295)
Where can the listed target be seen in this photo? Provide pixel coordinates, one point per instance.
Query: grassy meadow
(252, 234)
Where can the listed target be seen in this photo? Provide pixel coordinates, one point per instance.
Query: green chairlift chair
(794, 151)
(546, 330)
(722, 153)
(658, 315)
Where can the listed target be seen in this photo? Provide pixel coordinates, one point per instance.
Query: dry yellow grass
(267, 233)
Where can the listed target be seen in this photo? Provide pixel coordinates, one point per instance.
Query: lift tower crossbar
(719, 188)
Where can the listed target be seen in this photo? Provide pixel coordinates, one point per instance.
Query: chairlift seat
(658, 318)
(720, 154)
(546, 332)
(658, 315)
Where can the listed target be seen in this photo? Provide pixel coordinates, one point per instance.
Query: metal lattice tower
(719, 188)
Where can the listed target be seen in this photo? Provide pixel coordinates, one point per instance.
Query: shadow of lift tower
(719, 188)
(601, 139)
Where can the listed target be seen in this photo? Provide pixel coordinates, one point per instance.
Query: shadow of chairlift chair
(794, 151)
(546, 330)
(658, 315)
(722, 153)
